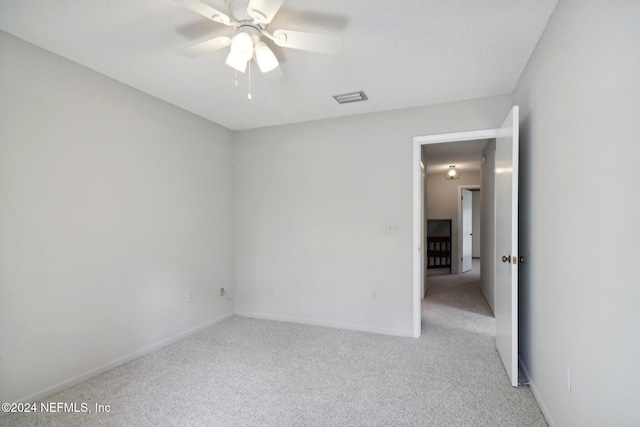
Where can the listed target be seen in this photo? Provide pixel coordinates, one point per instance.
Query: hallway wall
(488, 208)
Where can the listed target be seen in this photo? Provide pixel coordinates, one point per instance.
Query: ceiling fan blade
(323, 43)
(263, 11)
(206, 11)
(205, 47)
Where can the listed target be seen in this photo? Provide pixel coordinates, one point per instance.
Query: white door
(467, 227)
(506, 257)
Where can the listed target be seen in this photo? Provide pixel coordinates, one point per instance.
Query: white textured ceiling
(403, 53)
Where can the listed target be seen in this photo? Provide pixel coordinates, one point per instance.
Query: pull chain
(249, 96)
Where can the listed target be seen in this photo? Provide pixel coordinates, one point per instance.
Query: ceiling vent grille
(350, 97)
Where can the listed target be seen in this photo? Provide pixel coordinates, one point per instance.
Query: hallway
(456, 301)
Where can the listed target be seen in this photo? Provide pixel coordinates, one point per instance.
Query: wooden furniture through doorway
(439, 243)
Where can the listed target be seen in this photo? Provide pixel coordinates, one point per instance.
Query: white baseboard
(537, 396)
(49, 391)
(326, 324)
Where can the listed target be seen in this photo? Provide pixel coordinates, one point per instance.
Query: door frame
(460, 236)
(418, 200)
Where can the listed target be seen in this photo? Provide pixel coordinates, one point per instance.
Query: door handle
(515, 260)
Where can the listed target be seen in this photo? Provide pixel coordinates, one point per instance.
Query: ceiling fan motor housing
(252, 30)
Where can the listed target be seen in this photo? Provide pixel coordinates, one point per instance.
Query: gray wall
(579, 214)
(114, 206)
(310, 203)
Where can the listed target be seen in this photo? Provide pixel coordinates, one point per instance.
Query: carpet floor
(248, 372)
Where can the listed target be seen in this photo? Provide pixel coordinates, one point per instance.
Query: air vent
(351, 97)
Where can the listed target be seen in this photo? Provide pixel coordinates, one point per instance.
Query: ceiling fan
(250, 19)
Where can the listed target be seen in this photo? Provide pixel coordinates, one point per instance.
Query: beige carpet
(247, 372)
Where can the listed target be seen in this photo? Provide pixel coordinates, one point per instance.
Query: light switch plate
(390, 228)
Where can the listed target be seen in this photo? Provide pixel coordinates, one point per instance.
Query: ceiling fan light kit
(241, 52)
(235, 60)
(265, 58)
(250, 19)
(242, 45)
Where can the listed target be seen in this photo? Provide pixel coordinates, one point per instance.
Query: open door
(467, 229)
(506, 257)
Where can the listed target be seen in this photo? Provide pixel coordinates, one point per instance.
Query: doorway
(419, 211)
(505, 237)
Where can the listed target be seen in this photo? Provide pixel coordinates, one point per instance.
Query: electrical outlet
(221, 292)
(189, 296)
(374, 295)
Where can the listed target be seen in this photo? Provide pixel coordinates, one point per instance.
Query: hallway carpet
(248, 372)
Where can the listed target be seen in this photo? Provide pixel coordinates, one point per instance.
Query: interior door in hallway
(467, 224)
(506, 259)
